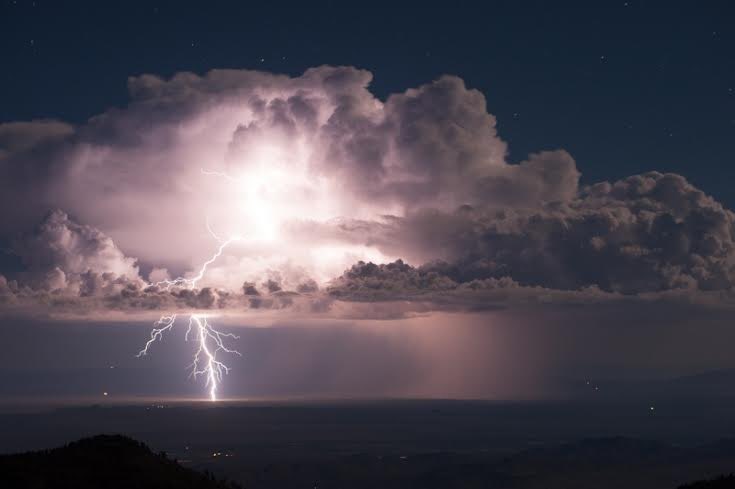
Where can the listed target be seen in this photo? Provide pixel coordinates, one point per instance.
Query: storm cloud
(334, 196)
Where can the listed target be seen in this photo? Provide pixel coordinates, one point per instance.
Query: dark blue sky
(626, 87)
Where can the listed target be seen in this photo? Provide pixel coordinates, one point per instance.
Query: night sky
(506, 200)
(625, 87)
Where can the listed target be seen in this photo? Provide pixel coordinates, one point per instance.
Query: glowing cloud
(300, 178)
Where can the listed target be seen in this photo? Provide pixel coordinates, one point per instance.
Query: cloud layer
(317, 178)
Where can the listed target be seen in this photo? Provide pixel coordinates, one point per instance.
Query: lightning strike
(218, 174)
(191, 283)
(205, 359)
(264, 203)
(209, 340)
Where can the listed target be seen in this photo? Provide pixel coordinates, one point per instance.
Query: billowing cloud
(321, 187)
(646, 233)
(75, 268)
(62, 254)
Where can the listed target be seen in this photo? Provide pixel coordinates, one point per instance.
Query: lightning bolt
(205, 359)
(191, 283)
(219, 174)
(209, 340)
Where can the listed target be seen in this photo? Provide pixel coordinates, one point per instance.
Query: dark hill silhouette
(101, 462)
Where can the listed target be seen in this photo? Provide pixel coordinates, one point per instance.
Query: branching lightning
(260, 219)
(209, 340)
(263, 195)
(191, 283)
(205, 359)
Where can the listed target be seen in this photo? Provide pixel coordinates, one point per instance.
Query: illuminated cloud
(71, 259)
(314, 174)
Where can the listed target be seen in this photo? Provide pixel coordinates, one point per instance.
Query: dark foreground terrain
(105, 461)
(115, 461)
(381, 444)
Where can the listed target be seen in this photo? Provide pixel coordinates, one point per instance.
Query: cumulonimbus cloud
(317, 178)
